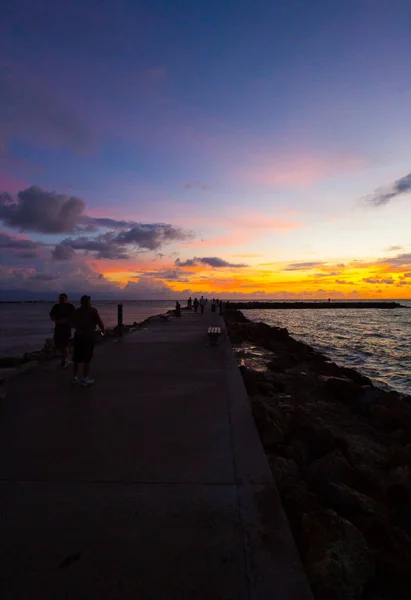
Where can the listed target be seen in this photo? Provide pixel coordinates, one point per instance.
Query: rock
(361, 450)
(407, 452)
(346, 501)
(298, 500)
(391, 549)
(392, 411)
(284, 470)
(30, 356)
(254, 380)
(332, 468)
(268, 422)
(10, 362)
(311, 437)
(343, 389)
(336, 557)
(48, 347)
(331, 368)
(282, 362)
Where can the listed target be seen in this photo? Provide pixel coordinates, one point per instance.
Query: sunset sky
(239, 148)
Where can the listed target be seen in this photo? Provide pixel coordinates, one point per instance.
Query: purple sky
(224, 127)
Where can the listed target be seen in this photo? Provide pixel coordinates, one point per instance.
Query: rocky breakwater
(340, 453)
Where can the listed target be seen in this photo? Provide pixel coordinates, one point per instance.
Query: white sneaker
(86, 382)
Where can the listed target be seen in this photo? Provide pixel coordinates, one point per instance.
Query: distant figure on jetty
(61, 314)
(195, 304)
(85, 320)
(189, 303)
(178, 309)
(202, 304)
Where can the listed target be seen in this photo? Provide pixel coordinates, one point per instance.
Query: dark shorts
(83, 348)
(62, 337)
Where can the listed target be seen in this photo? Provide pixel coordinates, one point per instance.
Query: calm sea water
(375, 342)
(24, 327)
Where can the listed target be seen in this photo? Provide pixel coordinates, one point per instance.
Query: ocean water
(373, 341)
(25, 326)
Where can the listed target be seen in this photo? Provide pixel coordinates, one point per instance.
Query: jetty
(152, 484)
(258, 305)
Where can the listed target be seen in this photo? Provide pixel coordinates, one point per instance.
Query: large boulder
(298, 500)
(253, 380)
(391, 549)
(269, 422)
(336, 557)
(311, 437)
(332, 468)
(392, 412)
(284, 470)
(343, 389)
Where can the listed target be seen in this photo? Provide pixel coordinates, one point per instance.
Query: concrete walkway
(150, 485)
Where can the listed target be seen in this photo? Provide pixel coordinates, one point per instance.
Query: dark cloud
(393, 248)
(211, 261)
(401, 261)
(398, 188)
(9, 242)
(26, 255)
(191, 262)
(167, 274)
(344, 282)
(407, 274)
(35, 209)
(44, 277)
(302, 266)
(150, 236)
(63, 252)
(371, 280)
(90, 224)
(113, 245)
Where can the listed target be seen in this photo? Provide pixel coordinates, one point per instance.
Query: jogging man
(61, 314)
(85, 320)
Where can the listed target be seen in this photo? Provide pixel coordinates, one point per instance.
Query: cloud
(63, 252)
(393, 248)
(38, 210)
(51, 278)
(197, 185)
(344, 282)
(371, 280)
(381, 197)
(9, 242)
(302, 266)
(211, 261)
(168, 274)
(401, 261)
(44, 277)
(35, 209)
(407, 274)
(332, 274)
(115, 246)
